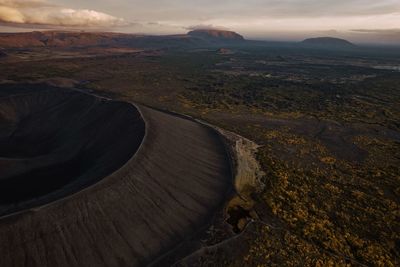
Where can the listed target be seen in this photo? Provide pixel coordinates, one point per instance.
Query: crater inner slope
(54, 142)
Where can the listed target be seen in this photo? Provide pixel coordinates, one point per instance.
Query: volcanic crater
(86, 181)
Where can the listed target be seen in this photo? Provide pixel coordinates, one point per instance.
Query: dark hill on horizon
(328, 42)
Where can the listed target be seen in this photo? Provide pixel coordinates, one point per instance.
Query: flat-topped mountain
(327, 42)
(216, 35)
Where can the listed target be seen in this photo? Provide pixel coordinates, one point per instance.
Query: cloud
(205, 27)
(24, 3)
(233, 9)
(384, 31)
(389, 36)
(8, 14)
(39, 12)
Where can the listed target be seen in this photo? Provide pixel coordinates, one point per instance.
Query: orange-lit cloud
(39, 12)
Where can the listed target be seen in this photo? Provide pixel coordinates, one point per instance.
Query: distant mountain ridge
(327, 42)
(60, 39)
(195, 38)
(65, 39)
(56, 39)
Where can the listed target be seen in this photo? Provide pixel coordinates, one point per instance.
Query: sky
(369, 21)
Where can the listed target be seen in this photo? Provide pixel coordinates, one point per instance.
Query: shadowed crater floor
(54, 142)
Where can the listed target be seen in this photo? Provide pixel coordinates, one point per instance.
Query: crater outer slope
(172, 186)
